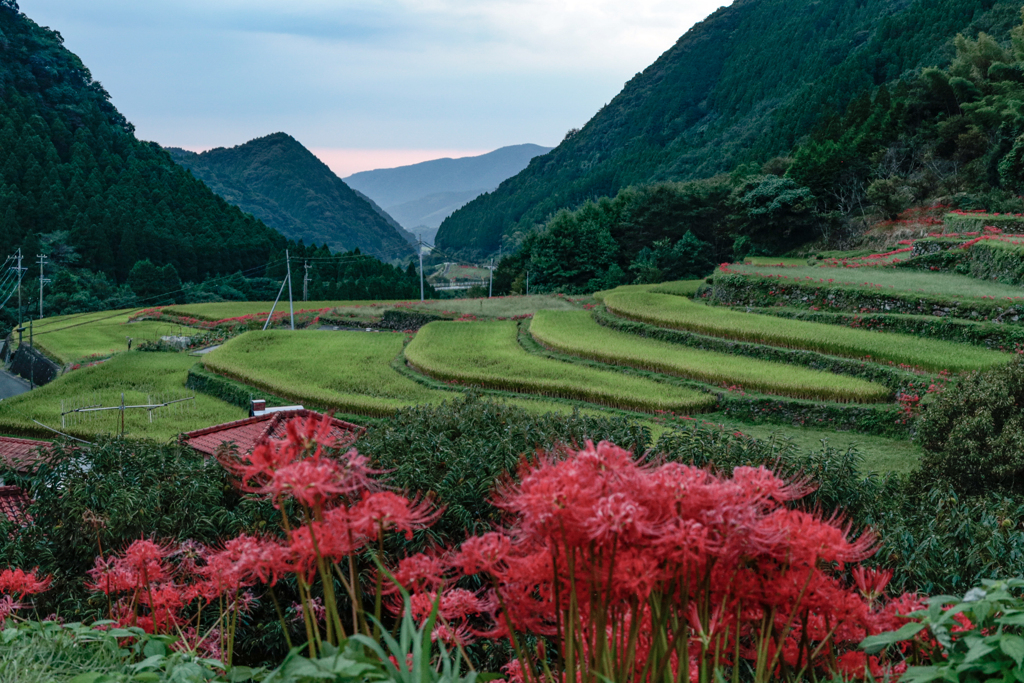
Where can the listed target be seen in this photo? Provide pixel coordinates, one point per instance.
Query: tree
(775, 213)
(154, 285)
(890, 195)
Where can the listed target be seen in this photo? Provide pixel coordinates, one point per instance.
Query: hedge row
(892, 377)
(976, 222)
(732, 289)
(879, 420)
(990, 260)
(990, 335)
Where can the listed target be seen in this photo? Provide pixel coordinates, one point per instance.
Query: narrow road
(11, 385)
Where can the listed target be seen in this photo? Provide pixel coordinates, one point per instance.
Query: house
(13, 503)
(21, 455)
(247, 434)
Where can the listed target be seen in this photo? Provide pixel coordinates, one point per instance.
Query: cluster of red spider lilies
(608, 568)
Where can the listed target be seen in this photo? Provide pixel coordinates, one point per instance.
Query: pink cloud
(345, 162)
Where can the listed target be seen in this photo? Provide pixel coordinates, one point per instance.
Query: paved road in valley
(11, 385)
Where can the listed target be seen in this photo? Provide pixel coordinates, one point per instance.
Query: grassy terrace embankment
(76, 338)
(681, 313)
(488, 354)
(349, 371)
(896, 280)
(142, 377)
(577, 333)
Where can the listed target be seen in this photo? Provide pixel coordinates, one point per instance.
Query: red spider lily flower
(419, 572)
(312, 481)
(871, 582)
(20, 583)
(147, 559)
(482, 553)
(385, 511)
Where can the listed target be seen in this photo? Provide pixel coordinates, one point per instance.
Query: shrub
(974, 436)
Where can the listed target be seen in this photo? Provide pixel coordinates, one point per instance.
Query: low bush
(974, 437)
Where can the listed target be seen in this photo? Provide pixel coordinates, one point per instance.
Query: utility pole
(419, 248)
(305, 283)
(490, 286)
(42, 281)
(291, 306)
(20, 271)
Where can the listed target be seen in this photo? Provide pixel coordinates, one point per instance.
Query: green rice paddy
(488, 354)
(681, 313)
(577, 333)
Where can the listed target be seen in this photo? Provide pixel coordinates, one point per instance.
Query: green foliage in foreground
(141, 376)
(345, 370)
(88, 498)
(681, 313)
(488, 354)
(48, 652)
(578, 334)
(989, 646)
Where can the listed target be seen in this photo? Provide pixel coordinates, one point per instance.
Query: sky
(365, 84)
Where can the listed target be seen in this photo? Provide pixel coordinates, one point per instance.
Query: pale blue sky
(365, 84)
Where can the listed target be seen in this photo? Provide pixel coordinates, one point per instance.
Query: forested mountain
(286, 186)
(424, 194)
(77, 184)
(120, 223)
(742, 86)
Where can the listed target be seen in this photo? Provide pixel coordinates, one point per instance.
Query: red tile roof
(250, 432)
(21, 454)
(13, 502)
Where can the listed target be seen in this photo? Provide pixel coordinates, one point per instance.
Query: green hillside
(77, 184)
(283, 184)
(743, 85)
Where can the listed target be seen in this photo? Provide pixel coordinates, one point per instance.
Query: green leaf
(90, 677)
(978, 650)
(154, 647)
(147, 677)
(1013, 647)
(875, 644)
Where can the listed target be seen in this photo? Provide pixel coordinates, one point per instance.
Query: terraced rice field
(683, 314)
(577, 333)
(679, 288)
(348, 371)
(504, 306)
(488, 354)
(898, 280)
(72, 338)
(141, 376)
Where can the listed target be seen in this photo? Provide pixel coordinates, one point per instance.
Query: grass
(101, 338)
(346, 370)
(488, 354)
(681, 313)
(577, 333)
(900, 280)
(686, 288)
(775, 261)
(505, 306)
(880, 453)
(141, 376)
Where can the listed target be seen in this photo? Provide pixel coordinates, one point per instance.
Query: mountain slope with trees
(286, 186)
(75, 182)
(744, 85)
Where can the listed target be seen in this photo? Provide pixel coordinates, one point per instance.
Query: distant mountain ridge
(287, 187)
(424, 194)
(744, 85)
